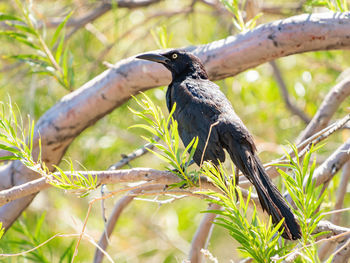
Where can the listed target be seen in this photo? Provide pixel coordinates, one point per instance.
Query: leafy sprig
(233, 6)
(53, 59)
(166, 130)
(307, 198)
(18, 141)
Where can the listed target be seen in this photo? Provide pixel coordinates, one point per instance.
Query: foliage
(161, 37)
(40, 57)
(257, 240)
(307, 198)
(233, 6)
(18, 142)
(2, 230)
(166, 130)
(332, 5)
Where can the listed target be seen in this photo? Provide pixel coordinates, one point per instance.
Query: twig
(327, 109)
(342, 253)
(285, 95)
(328, 246)
(99, 11)
(333, 232)
(202, 235)
(132, 156)
(117, 210)
(333, 164)
(338, 125)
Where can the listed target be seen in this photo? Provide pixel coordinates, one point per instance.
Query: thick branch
(201, 238)
(108, 177)
(69, 117)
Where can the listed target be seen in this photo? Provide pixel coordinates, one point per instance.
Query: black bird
(201, 106)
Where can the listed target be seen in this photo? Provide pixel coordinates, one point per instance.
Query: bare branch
(342, 188)
(117, 210)
(136, 154)
(108, 177)
(328, 107)
(202, 235)
(328, 246)
(285, 95)
(342, 252)
(334, 233)
(331, 166)
(99, 11)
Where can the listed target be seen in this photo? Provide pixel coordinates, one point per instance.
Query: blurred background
(150, 231)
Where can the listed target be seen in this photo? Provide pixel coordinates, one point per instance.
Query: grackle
(202, 110)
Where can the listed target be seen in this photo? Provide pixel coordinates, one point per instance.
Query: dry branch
(118, 209)
(328, 107)
(285, 95)
(60, 125)
(334, 232)
(202, 235)
(109, 177)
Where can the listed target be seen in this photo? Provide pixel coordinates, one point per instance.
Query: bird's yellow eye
(174, 56)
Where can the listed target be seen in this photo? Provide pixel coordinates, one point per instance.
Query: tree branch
(202, 235)
(285, 95)
(108, 177)
(327, 109)
(116, 213)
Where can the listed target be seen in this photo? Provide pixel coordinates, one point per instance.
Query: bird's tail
(270, 198)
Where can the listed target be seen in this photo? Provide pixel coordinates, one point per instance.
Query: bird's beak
(154, 57)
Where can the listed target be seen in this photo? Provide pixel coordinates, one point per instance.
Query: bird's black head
(179, 62)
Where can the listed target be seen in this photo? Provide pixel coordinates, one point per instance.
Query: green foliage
(307, 198)
(332, 5)
(19, 141)
(14, 136)
(166, 130)
(160, 36)
(233, 6)
(32, 232)
(257, 240)
(2, 230)
(40, 57)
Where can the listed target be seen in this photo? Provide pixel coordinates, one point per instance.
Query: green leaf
(12, 34)
(59, 50)
(9, 17)
(24, 28)
(59, 29)
(25, 42)
(9, 158)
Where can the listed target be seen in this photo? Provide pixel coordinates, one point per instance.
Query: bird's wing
(197, 116)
